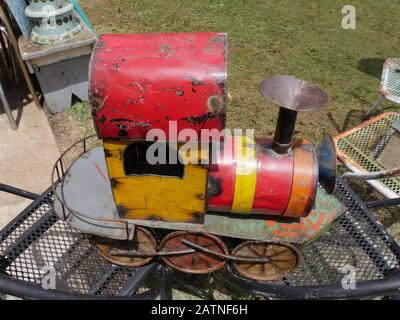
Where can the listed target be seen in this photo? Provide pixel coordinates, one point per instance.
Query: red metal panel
(274, 180)
(144, 81)
(221, 178)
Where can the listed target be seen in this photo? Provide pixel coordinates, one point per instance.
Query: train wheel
(127, 252)
(196, 262)
(282, 260)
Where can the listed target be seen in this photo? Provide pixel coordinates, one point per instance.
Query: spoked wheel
(131, 253)
(280, 260)
(194, 261)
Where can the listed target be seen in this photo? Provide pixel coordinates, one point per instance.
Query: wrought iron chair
(371, 151)
(390, 84)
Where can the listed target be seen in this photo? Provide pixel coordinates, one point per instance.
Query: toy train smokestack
(148, 81)
(283, 138)
(291, 95)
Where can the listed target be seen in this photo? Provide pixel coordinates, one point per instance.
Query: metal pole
(372, 175)
(376, 105)
(3, 67)
(14, 68)
(134, 282)
(283, 137)
(6, 107)
(18, 192)
(383, 203)
(4, 47)
(10, 54)
(14, 43)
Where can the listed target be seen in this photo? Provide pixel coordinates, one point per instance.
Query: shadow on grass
(371, 66)
(353, 118)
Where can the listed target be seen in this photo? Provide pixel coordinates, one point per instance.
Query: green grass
(270, 37)
(80, 111)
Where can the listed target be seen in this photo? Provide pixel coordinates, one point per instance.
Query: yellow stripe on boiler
(246, 173)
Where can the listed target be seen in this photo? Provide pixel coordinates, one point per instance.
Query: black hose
(18, 192)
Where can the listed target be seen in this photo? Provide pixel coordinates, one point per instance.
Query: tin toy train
(267, 203)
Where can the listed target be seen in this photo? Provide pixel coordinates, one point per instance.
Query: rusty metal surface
(293, 94)
(140, 82)
(372, 175)
(197, 262)
(359, 147)
(326, 209)
(363, 125)
(326, 153)
(91, 208)
(174, 248)
(86, 190)
(305, 179)
(274, 180)
(142, 241)
(282, 258)
(152, 196)
(37, 237)
(221, 178)
(272, 185)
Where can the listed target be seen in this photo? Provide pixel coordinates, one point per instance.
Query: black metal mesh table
(36, 239)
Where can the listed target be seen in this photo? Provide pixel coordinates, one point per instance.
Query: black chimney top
(291, 95)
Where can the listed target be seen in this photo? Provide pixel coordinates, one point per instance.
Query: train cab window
(135, 162)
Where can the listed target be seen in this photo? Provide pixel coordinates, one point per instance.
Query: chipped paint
(154, 197)
(128, 80)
